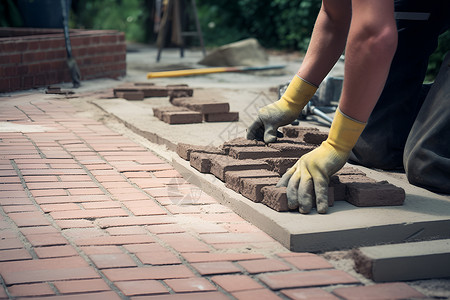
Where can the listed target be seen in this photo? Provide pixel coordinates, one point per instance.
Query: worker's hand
(308, 179)
(281, 112)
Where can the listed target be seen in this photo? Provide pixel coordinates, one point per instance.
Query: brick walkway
(87, 213)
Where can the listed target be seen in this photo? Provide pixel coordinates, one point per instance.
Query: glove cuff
(344, 132)
(298, 93)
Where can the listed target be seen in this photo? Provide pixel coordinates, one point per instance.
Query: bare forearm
(370, 48)
(327, 41)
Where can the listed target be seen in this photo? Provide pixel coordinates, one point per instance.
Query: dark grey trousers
(410, 127)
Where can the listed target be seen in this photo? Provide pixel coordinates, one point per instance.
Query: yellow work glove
(309, 177)
(281, 112)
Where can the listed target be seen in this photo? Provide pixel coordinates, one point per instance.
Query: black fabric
(427, 150)
(382, 143)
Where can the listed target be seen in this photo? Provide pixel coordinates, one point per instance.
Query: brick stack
(187, 108)
(253, 168)
(141, 90)
(34, 57)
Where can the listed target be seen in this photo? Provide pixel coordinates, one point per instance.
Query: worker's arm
(371, 44)
(326, 46)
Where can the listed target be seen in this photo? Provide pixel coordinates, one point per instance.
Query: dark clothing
(427, 149)
(394, 121)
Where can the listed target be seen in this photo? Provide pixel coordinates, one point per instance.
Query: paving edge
(279, 225)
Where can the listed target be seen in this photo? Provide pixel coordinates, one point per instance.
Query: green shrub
(128, 16)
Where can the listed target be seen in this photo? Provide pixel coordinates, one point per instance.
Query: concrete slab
(406, 261)
(423, 216)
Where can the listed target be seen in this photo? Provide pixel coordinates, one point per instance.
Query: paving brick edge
(268, 220)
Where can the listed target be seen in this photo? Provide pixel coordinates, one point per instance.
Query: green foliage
(124, 15)
(438, 56)
(278, 24)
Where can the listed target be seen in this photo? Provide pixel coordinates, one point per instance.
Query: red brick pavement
(86, 212)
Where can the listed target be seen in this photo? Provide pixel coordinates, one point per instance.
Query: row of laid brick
(253, 169)
(33, 42)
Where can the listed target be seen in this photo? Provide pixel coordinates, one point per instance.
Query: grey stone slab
(424, 215)
(406, 261)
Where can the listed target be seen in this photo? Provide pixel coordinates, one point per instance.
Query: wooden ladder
(176, 14)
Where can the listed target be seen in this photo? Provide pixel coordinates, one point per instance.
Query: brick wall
(31, 57)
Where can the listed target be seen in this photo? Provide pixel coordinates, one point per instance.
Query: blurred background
(278, 25)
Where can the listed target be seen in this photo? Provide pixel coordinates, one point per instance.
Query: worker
(367, 30)
(409, 127)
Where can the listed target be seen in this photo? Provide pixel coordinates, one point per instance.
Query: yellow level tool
(191, 72)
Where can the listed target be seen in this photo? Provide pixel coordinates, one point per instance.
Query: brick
(220, 164)
(89, 250)
(141, 287)
(256, 294)
(146, 273)
(80, 286)
(149, 91)
(158, 258)
(14, 254)
(275, 198)
(297, 131)
(232, 116)
(315, 138)
(184, 150)
(264, 266)
(240, 142)
(191, 296)
(235, 283)
(112, 260)
(114, 240)
(309, 293)
(11, 243)
(180, 89)
(203, 106)
(308, 262)
(143, 248)
(182, 117)
(46, 239)
(27, 290)
(213, 268)
(374, 194)
(253, 152)
(38, 230)
(291, 148)
(339, 189)
(55, 251)
(188, 285)
(184, 242)
(89, 213)
(397, 290)
(159, 111)
(200, 161)
(213, 257)
(130, 221)
(24, 219)
(130, 95)
(43, 270)
(280, 164)
(233, 179)
(306, 279)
